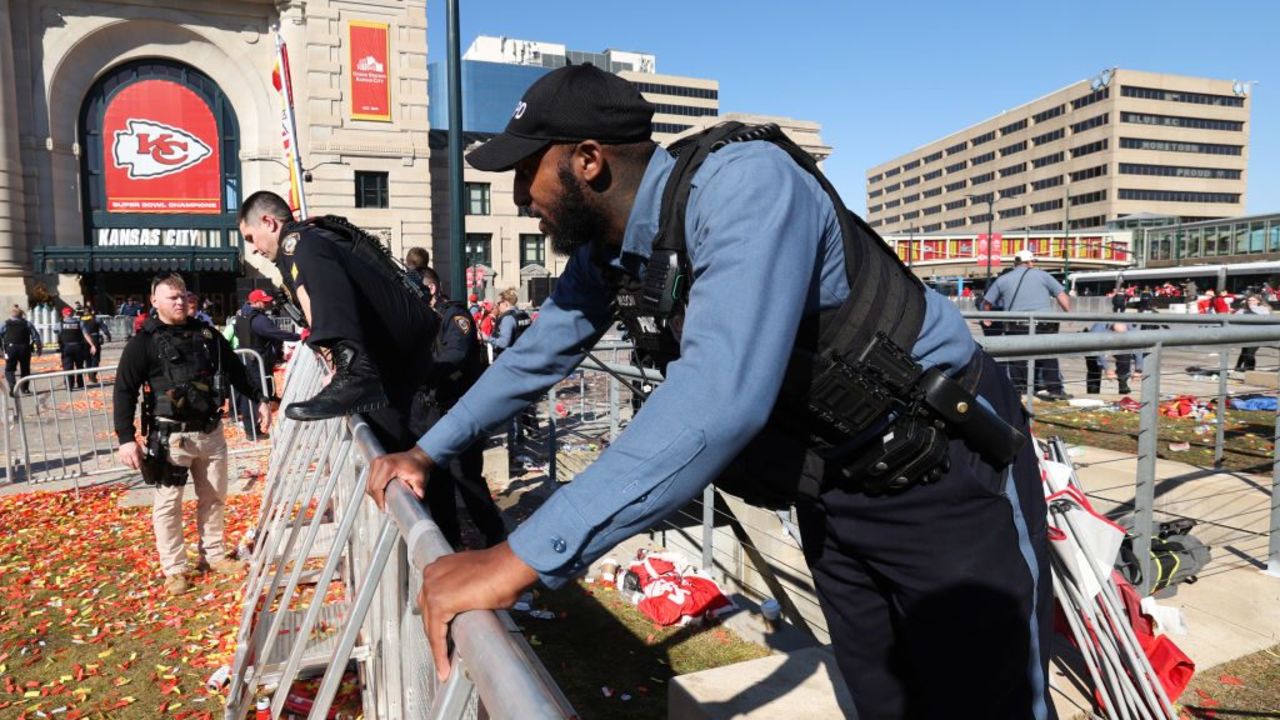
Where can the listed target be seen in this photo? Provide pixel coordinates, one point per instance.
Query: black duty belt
(912, 448)
(169, 426)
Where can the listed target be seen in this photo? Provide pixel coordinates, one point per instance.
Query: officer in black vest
(255, 330)
(459, 362)
(75, 345)
(18, 335)
(97, 332)
(185, 370)
(371, 320)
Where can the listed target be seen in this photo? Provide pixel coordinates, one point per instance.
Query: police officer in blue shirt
(934, 589)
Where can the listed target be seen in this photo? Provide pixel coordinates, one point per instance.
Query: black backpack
(1177, 556)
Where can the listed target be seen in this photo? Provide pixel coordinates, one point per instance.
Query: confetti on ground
(84, 619)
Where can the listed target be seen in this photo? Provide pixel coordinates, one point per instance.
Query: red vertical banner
(988, 252)
(368, 63)
(161, 151)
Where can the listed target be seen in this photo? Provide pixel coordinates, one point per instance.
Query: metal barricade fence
(759, 552)
(239, 405)
(64, 426)
(360, 607)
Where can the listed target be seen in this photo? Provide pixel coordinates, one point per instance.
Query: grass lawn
(599, 640)
(1247, 437)
(1245, 688)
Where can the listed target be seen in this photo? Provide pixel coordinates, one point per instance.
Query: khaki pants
(206, 455)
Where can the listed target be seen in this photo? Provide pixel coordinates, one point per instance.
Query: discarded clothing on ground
(670, 590)
(1254, 402)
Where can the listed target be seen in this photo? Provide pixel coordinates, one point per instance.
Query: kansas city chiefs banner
(161, 151)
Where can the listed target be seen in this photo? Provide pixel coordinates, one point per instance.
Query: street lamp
(990, 199)
(1066, 234)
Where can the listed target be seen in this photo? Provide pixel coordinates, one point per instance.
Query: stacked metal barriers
(361, 568)
(62, 423)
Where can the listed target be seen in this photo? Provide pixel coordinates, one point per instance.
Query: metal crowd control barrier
(1155, 344)
(239, 404)
(752, 540)
(64, 425)
(63, 420)
(313, 509)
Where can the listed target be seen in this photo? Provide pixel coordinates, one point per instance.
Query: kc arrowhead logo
(148, 149)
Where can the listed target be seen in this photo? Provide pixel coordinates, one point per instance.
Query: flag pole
(289, 132)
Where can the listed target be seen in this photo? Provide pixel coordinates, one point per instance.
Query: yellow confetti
(106, 653)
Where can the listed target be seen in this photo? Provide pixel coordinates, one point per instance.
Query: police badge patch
(463, 323)
(290, 243)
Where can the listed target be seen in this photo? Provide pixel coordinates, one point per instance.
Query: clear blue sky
(884, 80)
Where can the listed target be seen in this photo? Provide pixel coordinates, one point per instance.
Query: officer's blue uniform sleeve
(506, 332)
(569, 323)
(755, 223)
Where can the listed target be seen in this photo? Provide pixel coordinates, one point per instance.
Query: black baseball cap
(569, 104)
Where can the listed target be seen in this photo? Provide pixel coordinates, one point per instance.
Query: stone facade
(53, 51)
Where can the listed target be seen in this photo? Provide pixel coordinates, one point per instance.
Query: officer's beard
(577, 222)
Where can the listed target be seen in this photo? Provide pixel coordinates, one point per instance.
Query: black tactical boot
(355, 388)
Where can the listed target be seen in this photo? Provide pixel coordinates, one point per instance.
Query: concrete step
(801, 684)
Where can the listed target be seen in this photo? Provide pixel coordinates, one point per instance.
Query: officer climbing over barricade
(459, 362)
(75, 345)
(848, 389)
(255, 330)
(184, 370)
(372, 321)
(97, 332)
(18, 335)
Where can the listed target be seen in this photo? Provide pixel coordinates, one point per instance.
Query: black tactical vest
(824, 402)
(17, 333)
(69, 332)
(188, 388)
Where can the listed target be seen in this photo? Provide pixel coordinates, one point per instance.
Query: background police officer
(934, 591)
(183, 365)
(97, 332)
(17, 336)
(459, 362)
(75, 345)
(371, 321)
(256, 331)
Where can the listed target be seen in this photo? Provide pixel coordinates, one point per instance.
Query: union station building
(131, 131)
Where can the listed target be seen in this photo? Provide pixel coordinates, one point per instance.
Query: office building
(503, 248)
(1120, 143)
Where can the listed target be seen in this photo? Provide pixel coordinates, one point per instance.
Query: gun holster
(156, 467)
